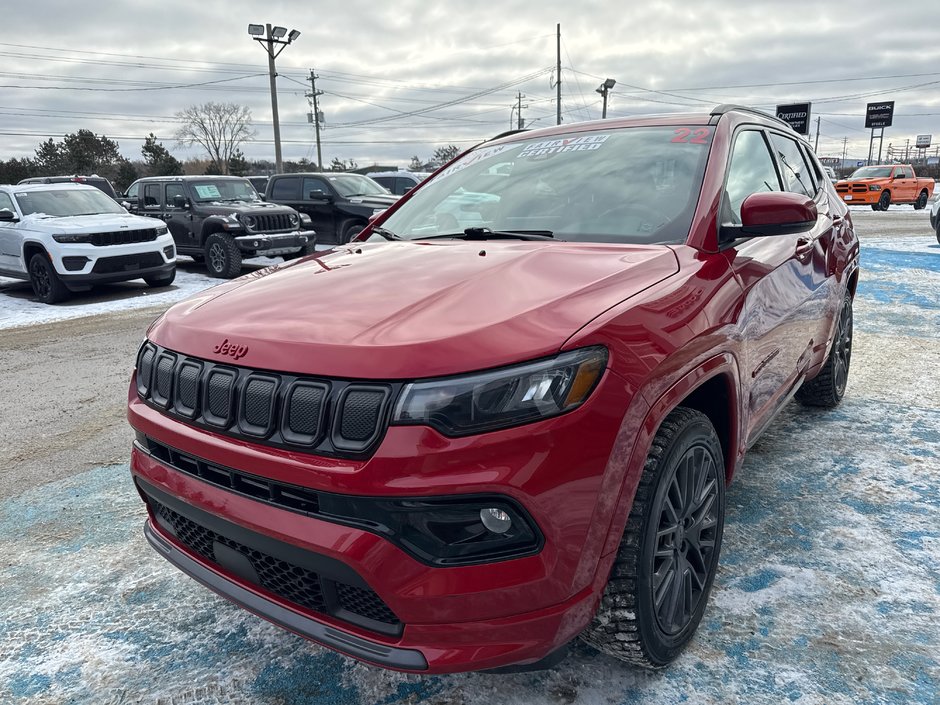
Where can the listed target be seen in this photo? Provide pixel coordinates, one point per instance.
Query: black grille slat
(272, 223)
(291, 582)
(360, 415)
(123, 237)
(328, 417)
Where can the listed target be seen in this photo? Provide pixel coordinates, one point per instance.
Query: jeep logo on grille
(226, 348)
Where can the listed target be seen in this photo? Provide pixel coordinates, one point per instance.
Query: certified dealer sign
(796, 115)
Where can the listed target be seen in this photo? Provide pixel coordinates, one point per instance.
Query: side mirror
(180, 201)
(777, 213)
(319, 194)
(8, 216)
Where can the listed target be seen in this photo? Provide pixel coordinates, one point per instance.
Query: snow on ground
(828, 591)
(18, 306)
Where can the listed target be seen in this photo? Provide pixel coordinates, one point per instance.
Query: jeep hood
(102, 222)
(412, 309)
(246, 207)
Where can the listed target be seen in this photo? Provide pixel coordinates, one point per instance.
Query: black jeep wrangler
(220, 220)
(339, 204)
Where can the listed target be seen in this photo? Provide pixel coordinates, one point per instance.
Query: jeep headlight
(249, 221)
(72, 238)
(509, 396)
(874, 187)
(162, 230)
(294, 219)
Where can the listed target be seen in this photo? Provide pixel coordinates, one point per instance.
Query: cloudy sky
(402, 78)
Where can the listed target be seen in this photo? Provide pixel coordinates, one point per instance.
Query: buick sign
(879, 114)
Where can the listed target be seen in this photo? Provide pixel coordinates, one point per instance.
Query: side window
(6, 203)
(793, 166)
(314, 185)
(386, 181)
(286, 189)
(172, 191)
(901, 174)
(404, 186)
(751, 170)
(152, 195)
(814, 169)
(132, 191)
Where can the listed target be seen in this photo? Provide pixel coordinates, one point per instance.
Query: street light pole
(604, 89)
(268, 36)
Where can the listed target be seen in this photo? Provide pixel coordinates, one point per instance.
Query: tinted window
(132, 190)
(286, 189)
(172, 191)
(751, 170)
(152, 195)
(386, 181)
(311, 184)
(793, 167)
(403, 186)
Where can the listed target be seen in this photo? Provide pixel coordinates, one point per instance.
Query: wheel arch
(30, 248)
(714, 389)
(210, 226)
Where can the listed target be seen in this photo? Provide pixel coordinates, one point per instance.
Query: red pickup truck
(880, 186)
(511, 434)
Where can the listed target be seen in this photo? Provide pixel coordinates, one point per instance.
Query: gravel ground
(828, 593)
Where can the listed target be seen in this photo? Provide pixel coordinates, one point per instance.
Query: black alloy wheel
(668, 556)
(921, 202)
(685, 539)
(828, 387)
(45, 282)
(885, 201)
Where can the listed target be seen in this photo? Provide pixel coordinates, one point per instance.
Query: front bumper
(474, 617)
(79, 265)
(272, 244)
(860, 198)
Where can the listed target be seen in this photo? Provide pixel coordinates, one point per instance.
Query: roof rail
(720, 110)
(507, 133)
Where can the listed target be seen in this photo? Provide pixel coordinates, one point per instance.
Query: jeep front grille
(272, 223)
(323, 416)
(123, 237)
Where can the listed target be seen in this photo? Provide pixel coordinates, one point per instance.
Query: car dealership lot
(829, 590)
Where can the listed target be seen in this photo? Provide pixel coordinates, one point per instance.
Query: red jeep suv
(517, 427)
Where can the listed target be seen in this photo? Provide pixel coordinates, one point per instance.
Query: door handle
(804, 248)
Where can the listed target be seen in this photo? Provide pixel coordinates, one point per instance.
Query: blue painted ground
(829, 590)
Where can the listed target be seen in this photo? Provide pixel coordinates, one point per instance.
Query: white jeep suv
(67, 237)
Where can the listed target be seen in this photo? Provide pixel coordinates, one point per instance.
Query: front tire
(921, 201)
(223, 258)
(47, 286)
(885, 201)
(828, 387)
(350, 230)
(668, 556)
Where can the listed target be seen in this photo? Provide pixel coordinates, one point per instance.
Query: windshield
(627, 185)
(872, 172)
(356, 185)
(64, 202)
(224, 190)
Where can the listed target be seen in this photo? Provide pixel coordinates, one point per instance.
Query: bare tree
(219, 128)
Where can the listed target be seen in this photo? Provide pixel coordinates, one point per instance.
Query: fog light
(495, 520)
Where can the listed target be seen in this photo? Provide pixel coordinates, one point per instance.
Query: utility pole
(316, 115)
(844, 141)
(604, 89)
(267, 37)
(521, 122)
(558, 73)
(816, 147)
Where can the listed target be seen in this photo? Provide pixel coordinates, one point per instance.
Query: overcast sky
(124, 69)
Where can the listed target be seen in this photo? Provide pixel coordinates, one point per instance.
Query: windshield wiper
(387, 234)
(487, 234)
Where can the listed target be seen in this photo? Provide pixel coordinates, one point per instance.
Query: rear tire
(668, 556)
(160, 281)
(47, 286)
(223, 258)
(828, 387)
(921, 201)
